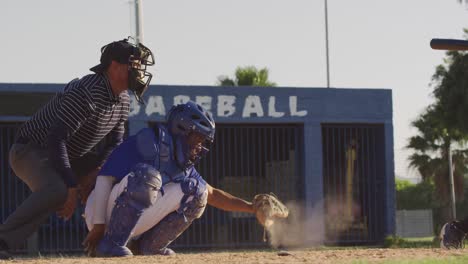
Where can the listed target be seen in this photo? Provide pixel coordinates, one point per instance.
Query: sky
(372, 44)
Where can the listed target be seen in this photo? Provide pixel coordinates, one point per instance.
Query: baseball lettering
(226, 106)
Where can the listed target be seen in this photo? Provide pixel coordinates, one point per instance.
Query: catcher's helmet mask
(193, 130)
(136, 56)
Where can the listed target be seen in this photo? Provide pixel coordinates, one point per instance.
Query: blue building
(326, 152)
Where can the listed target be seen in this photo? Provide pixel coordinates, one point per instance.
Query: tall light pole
(326, 43)
(138, 21)
(453, 206)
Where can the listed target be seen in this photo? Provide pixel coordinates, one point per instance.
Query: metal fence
(414, 223)
(353, 177)
(244, 160)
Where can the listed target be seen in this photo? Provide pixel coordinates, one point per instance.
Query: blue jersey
(146, 147)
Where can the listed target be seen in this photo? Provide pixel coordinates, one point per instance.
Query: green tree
(451, 89)
(430, 153)
(247, 76)
(411, 196)
(443, 127)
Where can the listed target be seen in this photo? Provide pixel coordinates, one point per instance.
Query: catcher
(148, 192)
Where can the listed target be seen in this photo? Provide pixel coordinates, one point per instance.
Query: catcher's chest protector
(155, 146)
(157, 149)
(166, 163)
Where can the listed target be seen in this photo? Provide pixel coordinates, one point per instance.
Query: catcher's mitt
(267, 207)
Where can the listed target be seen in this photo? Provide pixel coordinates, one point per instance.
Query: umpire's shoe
(451, 236)
(4, 253)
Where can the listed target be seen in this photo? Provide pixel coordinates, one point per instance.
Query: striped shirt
(89, 110)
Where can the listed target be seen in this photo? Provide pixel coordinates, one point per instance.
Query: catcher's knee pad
(143, 186)
(156, 240)
(192, 188)
(195, 207)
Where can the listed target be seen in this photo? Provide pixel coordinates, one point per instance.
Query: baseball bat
(449, 44)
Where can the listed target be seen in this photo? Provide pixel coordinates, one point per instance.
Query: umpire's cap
(119, 51)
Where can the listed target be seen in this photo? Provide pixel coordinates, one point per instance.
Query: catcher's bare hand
(69, 206)
(92, 239)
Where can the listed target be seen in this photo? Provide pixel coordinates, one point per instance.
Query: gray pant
(31, 164)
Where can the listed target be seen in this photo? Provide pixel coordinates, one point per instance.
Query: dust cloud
(307, 228)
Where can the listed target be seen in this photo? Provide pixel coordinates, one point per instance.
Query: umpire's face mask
(138, 77)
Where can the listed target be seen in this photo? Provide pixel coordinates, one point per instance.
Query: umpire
(65, 131)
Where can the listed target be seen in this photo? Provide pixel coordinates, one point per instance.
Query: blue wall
(308, 106)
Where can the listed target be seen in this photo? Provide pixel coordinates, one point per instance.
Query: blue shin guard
(118, 231)
(156, 240)
(141, 192)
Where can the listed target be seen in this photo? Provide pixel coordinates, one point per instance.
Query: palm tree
(247, 76)
(430, 157)
(442, 126)
(451, 89)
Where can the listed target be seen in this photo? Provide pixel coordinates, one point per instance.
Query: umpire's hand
(86, 184)
(69, 206)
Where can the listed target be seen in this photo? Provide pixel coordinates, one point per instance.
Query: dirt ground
(247, 257)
